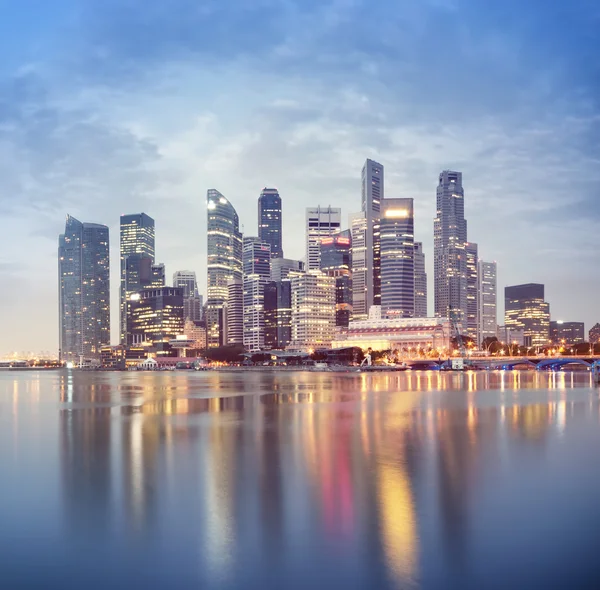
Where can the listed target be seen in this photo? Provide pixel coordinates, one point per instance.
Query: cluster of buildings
(361, 284)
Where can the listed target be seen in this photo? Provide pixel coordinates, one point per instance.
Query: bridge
(511, 363)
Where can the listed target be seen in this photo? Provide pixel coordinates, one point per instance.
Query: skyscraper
(336, 262)
(526, 309)
(358, 229)
(397, 258)
(282, 267)
(269, 220)
(235, 312)
(449, 239)
(278, 314)
(472, 326)
(257, 273)
(137, 237)
(487, 291)
(320, 223)
(84, 290)
(372, 196)
(420, 282)
(224, 262)
(567, 332)
(192, 300)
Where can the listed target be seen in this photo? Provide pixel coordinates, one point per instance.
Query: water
(299, 480)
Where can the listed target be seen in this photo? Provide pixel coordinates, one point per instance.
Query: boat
(382, 368)
(321, 367)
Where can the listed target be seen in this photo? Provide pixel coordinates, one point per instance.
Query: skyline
(96, 123)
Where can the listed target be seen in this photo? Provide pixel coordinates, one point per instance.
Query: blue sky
(123, 106)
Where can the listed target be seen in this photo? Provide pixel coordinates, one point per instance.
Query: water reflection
(297, 479)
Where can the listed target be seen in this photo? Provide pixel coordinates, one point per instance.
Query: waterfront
(299, 480)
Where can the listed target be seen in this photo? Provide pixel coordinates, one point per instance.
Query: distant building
(257, 273)
(487, 292)
(526, 309)
(472, 320)
(567, 332)
(192, 300)
(235, 312)
(282, 267)
(511, 335)
(84, 291)
(358, 229)
(313, 310)
(278, 314)
(321, 222)
(269, 220)
(397, 263)
(594, 334)
(420, 282)
(195, 331)
(336, 262)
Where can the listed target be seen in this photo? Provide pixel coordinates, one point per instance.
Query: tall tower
(84, 290)
(137, 237)
(192, 301)
(224, 262)
(397, 258)
(420, 282)
(487, 292)
(472, 290)
(372, 196)
(269, 220)
(257, 273)
(336, 262)
(449, 241)
(321, 222)
(358, 230)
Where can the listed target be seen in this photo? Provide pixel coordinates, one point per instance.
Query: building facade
(257, 273)
(397, 248)
(594, 334)
(420, 282)
(567, 332)
(282, 267)
(372, 194)
(526, 309)
(449, 241)
(321, 222)
(84, 290)
(313, 310)
(224, 262)
(269, 220)
(487, 292)
(192, 300)
(234, 333)
(358, 229)
(278, 314)
(336, 262)
(136, 238)
(472, 322)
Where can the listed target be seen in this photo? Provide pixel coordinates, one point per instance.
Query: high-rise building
(567, 332)
(472, 323)
(84, 290)
(358, 229)
(269, 220)
(594, 334)
(159, 275)
(235, 312)
(136, 237)
(372, 197)
(449, 239)
(257, 273)
(224, 262)
(336, 262)
(192, 300)
(155, 316)
(313, 310)
(420, 282)
(321, 222)
(282, 267)
(526, 309)
(487, 292)
(278, 314)
(397, 258)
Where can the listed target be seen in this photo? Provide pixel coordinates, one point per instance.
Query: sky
(124, 106)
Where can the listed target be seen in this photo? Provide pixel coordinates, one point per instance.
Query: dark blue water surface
(291, 480)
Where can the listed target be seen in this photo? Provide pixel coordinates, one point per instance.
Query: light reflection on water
(296, 480)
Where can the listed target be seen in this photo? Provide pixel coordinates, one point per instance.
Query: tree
(488, 341)
(225, 354)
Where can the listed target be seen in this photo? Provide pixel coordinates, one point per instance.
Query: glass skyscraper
(336, 262)
(487, 292)
(269, 220)
(420, 282)
(84, 290)
(256, 262)
(358, 230)
(525, 309)
(472, 323)
(321, 222)
(192, 300)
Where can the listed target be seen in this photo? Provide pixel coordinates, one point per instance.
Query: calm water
(299, 480)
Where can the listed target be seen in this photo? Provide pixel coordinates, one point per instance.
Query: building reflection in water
(302, 471)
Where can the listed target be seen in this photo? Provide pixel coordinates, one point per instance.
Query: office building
(336, 262)
(313, 310)
(372, 195)
(282, 267)
(136, 237)
(155, 317)
(567, 332)
(594, 334)
(278, 314)
(397, 258)
(526, 309)
(84, 291)
(472, 323)
(358, 230)
(487, 293)
(196, 332)
(192, 300)
(224, 262)
(510, 335)
(321, 222)
(449, 240)
(257, 273)
(269, 220)
(235, 312)
(420, 282)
